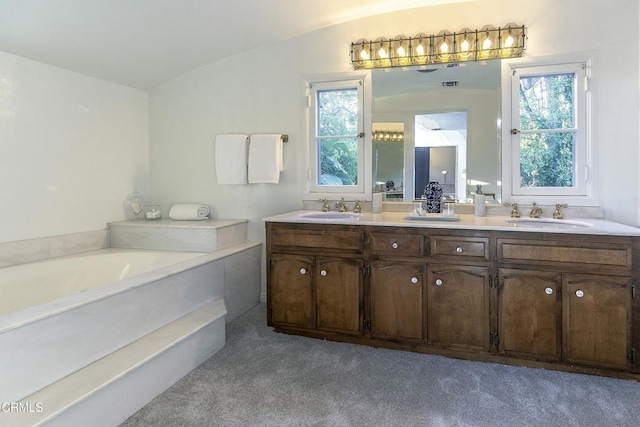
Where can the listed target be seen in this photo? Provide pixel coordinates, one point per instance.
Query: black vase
(433, 194)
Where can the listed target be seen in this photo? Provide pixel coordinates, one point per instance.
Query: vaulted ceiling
(143, 43)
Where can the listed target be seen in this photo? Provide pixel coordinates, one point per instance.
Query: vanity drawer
(460, 247)
(566, 252)
(345, 241)
(397, 244)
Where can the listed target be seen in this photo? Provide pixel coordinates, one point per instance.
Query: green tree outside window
(547, 123)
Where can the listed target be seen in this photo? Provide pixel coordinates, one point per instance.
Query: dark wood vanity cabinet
(571, 299)
(529, 313)
(458, 306)
(315, 279)
(560, 301)
(597, 320)
(398, 298)
(291, 290)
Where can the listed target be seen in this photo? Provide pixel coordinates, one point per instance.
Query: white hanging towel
(265, 158)
(231, 158)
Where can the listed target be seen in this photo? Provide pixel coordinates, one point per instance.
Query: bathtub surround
(95, 357)
(242, 271)
(27, 287)
(32, 250)
(166, 234)
(262, 378)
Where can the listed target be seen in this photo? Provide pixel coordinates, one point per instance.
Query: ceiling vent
(450, 83)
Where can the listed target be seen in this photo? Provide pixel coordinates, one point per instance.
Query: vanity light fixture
(388, 136)
(445, 47)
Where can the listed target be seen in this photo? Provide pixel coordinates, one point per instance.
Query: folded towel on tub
(189, 212)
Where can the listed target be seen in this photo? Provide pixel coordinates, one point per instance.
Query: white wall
(260, 91)
(71, 148)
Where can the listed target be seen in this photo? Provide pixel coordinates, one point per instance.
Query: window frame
(583, 192)
(363, 189)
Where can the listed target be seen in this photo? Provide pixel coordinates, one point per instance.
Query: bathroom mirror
(402, 96)
(388, 159)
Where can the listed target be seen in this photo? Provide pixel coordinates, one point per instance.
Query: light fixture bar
(444, 47)
(388, 136)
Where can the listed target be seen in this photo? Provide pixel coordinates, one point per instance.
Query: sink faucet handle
(325, 206)
(341, 206)
(515, 212)
(357, 208)
(557, 214)
(536, 210)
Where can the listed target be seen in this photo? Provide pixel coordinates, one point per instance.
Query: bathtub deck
(78, 399)
(169, 235)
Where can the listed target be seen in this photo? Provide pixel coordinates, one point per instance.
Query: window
(339, 149)
(546, 133)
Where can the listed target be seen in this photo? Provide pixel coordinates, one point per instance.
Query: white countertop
(467, 221)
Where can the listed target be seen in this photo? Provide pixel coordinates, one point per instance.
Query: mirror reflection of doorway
(441, 153)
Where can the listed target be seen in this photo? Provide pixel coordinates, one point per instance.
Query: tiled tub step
(108, 391)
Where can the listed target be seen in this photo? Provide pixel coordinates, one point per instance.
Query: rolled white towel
(189, 212)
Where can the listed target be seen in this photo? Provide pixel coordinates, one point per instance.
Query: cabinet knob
(579, 293)
(323, 272)
(394, 245)
(459, 249)
(438, 282)
(414, 280)
(303, 271)
(548, 291)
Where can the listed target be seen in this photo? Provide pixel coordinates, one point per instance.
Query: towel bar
(285, 138)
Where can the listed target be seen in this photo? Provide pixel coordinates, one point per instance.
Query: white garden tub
(59, 315)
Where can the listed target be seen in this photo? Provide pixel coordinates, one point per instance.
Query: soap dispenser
(479, 208)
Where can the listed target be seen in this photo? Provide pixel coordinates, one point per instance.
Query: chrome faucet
(557, 214)
(325, 206)
(515, 212)
(341, 206)
(357, 208)
(536, 211)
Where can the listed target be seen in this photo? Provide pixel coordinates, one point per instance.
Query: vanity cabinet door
(397, 300)
(458, 306)
(529, 313)
(597, 320)
(339, 295)
(291, 292)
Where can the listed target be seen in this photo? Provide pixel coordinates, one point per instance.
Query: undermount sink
(331, 216)
(548, 223)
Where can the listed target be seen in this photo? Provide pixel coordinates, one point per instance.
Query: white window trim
(363, 190)
(585, 194)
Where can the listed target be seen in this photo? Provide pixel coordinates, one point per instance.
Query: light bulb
(364, 54)
(464, 46)
(420, 49)
(509, 41)
(401, 51)
(382, 53)
(486, 44)
(444, 47)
